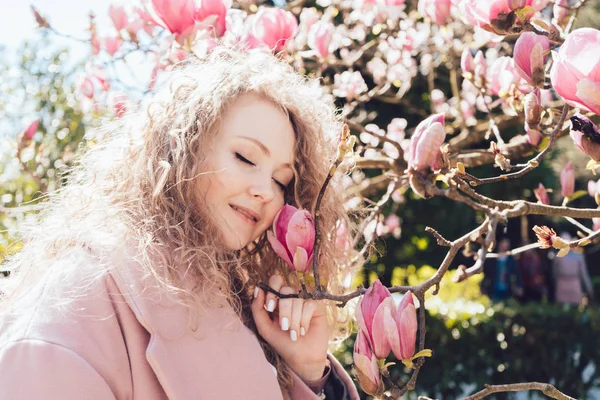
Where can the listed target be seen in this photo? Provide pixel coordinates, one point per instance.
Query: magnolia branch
(546, 388)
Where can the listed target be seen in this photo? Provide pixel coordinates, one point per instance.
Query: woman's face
(249, 167)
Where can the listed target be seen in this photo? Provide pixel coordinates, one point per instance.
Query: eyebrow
(264, 148)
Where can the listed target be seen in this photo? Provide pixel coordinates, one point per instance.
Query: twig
(533, 163)
(546, 388)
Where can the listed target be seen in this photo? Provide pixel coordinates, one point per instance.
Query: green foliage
(43, 86)
(507, 344)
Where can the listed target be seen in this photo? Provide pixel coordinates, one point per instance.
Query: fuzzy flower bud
(533, 109)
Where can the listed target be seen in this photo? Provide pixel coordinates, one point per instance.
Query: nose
(262, 188)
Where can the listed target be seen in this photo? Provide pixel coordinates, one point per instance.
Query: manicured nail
(271, 306)
(302, 332)
(256, 292)
(293, 335)
(285, 324)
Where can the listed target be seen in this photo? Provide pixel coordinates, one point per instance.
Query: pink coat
(120, 339)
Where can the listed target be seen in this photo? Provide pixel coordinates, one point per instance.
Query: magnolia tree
(489, 70)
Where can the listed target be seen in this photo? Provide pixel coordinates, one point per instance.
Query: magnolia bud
(533, 109)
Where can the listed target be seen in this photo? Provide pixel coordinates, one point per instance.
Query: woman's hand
(296, 328)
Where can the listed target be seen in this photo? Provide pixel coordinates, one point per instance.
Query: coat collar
(222, 358)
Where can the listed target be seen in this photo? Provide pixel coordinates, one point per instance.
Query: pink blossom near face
(575, 73)
(247, 169)
(293, 237)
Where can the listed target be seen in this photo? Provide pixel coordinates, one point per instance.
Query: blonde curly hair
(140, 186)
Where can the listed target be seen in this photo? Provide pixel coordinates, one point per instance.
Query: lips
(251, 215)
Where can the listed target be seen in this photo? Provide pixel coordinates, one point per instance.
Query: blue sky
(69, 16)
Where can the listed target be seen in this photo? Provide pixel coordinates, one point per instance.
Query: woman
(140, 282)
(571, 276)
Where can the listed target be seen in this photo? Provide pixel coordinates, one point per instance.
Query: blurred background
(528, 337)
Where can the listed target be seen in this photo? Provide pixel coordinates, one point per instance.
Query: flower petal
(279, 249)
(300, 259)
(300, 232)
(379, 334)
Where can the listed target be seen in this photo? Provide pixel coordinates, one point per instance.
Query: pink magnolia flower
(567, 180)
(375, 318)
(31, 130)
(118, 103)
(274, 27)
(436, 10)
(541, 194)
(529, 56)
(212, 13)
(425, 143)
(533, 108)
(175, 15)
(502, 76)
(594, 190)
(293, 237)
(466, 61)
(349, 84)
(100, 76)
(596, 222)
(85, 86)
(342, 237)
(575, 73)
(495, 15)
(560, 11)
(112, 44)
(406, 323)
(319, 38)
(586, 136)
(366, 366)
(118, 16)
(308, 17)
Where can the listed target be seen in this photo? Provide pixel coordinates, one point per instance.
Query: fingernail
(302, 332)
(256, 292)
(293, 335)
(285, 324)
(271, 305)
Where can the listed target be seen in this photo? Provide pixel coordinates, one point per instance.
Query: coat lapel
(220, 359)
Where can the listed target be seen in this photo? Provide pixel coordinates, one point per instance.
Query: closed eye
(244, 159)
(281, 185)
